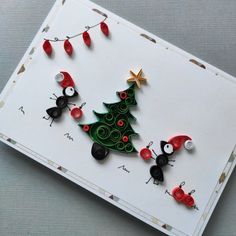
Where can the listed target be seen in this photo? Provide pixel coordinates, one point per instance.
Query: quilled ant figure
(156, 171)
(168, 149)
(62, 102)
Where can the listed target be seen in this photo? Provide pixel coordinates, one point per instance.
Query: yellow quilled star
(137, 78)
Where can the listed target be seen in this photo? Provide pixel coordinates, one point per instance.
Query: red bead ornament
(123, 95)
(188, 200)
(104, 29)
(87, 39)
(180, 196)
(47, 47)
(77, 112)
(178, 193)
(67, 81)
(68, 47)
(146, 153)
(125, 139)
(86, 128)
(120, 123)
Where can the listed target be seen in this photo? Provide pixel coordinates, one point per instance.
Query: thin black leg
(52, 122)
(168, 193)
(154, 152)
(46, 118)
(148, 180)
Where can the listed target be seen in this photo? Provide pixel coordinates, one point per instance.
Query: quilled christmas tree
(113, 131)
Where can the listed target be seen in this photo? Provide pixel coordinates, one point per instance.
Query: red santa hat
(180, 140)
(64, 79)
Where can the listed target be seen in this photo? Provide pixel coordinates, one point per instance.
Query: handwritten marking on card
(123, 168)
(21, 109)
(68, 136)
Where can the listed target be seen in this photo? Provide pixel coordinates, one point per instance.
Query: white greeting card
(183, 95)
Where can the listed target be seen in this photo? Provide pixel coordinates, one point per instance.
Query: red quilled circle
(123, 95)
(146, 153)
(76, 113)
(120, 123)
(86, 128)
(125, 139)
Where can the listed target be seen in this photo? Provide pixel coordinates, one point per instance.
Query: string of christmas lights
(47, 45)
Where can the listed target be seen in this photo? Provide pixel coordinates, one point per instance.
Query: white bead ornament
(188, 145)
(59, 77)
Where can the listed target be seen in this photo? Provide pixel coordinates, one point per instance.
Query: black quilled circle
(62, 102)
(156, 173)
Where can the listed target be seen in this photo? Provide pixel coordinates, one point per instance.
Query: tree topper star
(137, 78)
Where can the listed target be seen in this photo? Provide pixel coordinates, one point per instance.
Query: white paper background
(179, 98)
